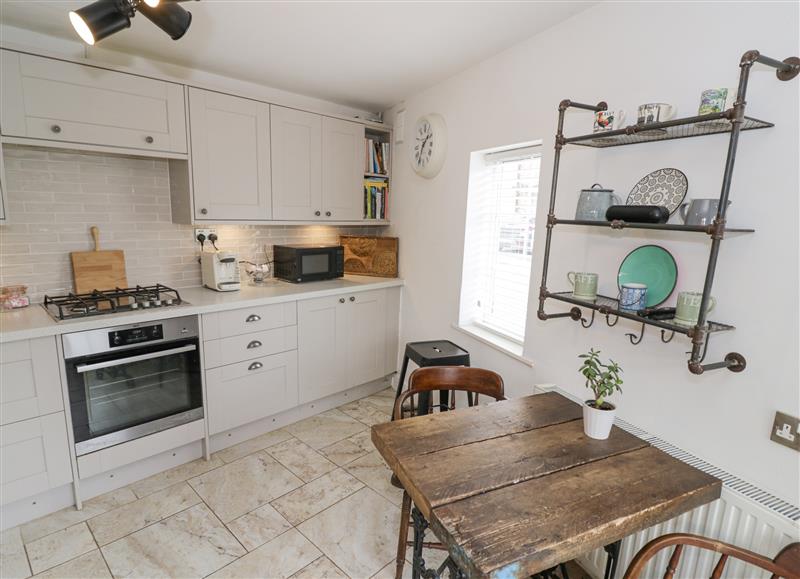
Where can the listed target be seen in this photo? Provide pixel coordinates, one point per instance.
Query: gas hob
(97, 303)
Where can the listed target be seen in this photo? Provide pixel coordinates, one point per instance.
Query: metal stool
(433, 353)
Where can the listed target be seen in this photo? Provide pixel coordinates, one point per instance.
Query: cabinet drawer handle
(341, 300)
(253, 318)
(56, 128)
(317, 213)
(352, 298)
(327, 213)
(255, 366)
(254, 344)
(148, 139)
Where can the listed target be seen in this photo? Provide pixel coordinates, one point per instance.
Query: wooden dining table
(515, 487)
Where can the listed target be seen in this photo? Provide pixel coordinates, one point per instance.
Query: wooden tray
(370, 255)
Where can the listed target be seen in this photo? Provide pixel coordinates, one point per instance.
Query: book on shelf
(376, 157)
(376, 198)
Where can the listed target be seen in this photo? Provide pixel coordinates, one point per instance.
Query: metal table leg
(612, 559)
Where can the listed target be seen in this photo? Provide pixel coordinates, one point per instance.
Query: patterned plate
(664, 187)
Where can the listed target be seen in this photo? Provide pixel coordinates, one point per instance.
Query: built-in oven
(130, 381)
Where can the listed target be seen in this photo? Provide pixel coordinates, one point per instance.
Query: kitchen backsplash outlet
(54, 196)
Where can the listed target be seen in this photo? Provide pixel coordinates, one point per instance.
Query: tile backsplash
(54, 196)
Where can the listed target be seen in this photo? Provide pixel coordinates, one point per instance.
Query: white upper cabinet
(342, 169)
(54, 100)
(230, 157)
(296, 165)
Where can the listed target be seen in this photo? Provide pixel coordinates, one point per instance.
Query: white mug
(655, 113)
(608, 120)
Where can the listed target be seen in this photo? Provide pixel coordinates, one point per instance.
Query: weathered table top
(516, 487)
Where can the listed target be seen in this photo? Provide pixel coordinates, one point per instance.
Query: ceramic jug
(593, 203)
(700, 211)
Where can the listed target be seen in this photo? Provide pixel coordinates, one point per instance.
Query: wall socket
(205, 232)
(786, 431)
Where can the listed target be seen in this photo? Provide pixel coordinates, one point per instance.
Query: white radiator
(744, 515)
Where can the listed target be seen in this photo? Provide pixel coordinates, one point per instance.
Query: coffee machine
(220, 270)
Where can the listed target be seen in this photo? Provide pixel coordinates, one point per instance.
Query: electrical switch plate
(207, 231)
(786, 430)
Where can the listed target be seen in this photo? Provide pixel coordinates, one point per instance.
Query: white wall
(626, 54)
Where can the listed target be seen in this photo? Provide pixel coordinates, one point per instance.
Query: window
(498, 246)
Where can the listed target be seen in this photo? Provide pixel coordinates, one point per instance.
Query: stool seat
(437, 353)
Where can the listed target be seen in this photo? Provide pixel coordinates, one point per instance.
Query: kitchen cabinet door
(30, 380)
(366, 340)
(230, 157)
(296, 165)
(44, 98)
(322, 341)
(342, 169)
(248, 391)
(34, 457)
(3, 203)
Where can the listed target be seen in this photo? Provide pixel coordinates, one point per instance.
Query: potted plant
(603, 380)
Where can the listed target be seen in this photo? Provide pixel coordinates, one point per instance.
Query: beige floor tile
(311, 498)
(365, 412)
(71, 516)
(128, 518)
(252, 445)
(88, 566)
(175, 475)
(373, 472)
(325, 429)
(322, 568)
(192, 543)
(278, 559)
(258, 527)
(359, 533)
(58, 547)
(301, 459)
(243, 485)
(382, 402)
(13, 560)
(343, 452)
(389, 571)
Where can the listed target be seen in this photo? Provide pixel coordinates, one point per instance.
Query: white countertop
(35, 322)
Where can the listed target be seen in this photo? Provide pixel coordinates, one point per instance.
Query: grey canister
(700, 211)
(594, 202)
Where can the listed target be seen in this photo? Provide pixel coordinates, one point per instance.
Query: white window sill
(499, 343)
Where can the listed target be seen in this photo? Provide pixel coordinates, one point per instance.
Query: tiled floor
(309, 501)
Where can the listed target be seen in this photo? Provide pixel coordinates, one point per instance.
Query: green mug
(687, 310)
(584, 284)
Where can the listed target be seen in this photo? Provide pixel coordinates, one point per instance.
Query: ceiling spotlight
(103, 18)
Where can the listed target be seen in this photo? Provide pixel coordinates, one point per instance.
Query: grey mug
(700, 211)
(593, 203)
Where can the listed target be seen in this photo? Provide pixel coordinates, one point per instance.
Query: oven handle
(81, 368)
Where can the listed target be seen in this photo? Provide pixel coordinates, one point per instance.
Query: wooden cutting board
(98, 270)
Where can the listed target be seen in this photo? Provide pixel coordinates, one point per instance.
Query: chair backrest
(786, 564)
(452, 378)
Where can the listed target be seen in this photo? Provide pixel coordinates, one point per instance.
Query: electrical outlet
(786, 430)
(205, 232)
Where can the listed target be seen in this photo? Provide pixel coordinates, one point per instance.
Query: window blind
(499, 241)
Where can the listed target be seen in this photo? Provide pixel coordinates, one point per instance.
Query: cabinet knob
(56, 128)
(254, 344)
(341, 300)
(204, 211)
(253, 318)
(352, 298)
(327, 214)
(255, 366)
(317, 213)
(148, 139)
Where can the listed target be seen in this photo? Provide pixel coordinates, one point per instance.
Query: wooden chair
(786, 564)
(423, 382)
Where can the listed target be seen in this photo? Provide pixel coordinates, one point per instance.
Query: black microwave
(299, 263)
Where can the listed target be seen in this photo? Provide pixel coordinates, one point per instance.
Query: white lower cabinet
(346, 340)
(30, 385)
(34, 457)
(250, 390)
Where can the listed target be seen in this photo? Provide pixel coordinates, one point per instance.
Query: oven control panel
(138, 335)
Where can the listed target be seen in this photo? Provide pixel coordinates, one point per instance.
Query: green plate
(652, 265)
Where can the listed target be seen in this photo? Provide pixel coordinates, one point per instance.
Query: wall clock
(429, 145)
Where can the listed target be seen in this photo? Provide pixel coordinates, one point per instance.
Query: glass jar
(13, 297)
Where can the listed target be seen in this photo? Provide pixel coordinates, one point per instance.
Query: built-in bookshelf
(377, 171)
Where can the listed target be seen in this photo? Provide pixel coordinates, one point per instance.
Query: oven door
(318, 264)
(120, 396)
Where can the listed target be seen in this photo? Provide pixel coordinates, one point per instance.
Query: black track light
(103, 18)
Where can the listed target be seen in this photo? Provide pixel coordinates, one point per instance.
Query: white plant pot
(597, 423)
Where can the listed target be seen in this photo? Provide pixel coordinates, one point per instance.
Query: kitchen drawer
(244, 392)
(30, 385)
(249, 346)
(248, 320)
(34, 457)
(44, 98)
